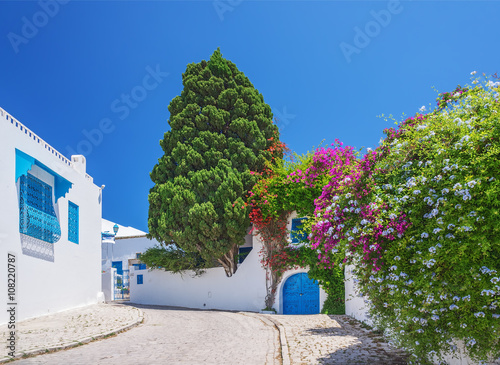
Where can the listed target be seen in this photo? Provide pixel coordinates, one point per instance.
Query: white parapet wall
(245, 290)
(63, 274)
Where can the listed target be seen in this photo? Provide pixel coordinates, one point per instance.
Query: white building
(120, 257)
(245, 290)
(50, 224)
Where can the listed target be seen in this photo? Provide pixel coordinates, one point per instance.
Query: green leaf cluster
(174, 260)
(439, 282)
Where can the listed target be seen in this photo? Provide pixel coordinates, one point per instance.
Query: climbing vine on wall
(293, 185)
(420, 222)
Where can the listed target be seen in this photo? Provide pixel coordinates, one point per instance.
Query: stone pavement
(71, 328)
(179, 336)
(168, 335)
(326, 339)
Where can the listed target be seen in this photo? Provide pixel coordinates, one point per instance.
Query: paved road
(335, 340)
(174, 336)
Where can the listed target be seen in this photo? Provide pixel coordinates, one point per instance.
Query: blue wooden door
(300, 295)
(118, 265)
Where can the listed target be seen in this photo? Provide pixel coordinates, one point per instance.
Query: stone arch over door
(300, 295)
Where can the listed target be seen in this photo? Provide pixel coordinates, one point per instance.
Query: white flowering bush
(421, 222)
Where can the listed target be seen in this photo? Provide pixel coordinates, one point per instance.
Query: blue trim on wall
(37, 217)
(73, 223)
(25, 162)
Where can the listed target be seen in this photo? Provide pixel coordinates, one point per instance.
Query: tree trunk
(272, 281)
(274, 238)
(230, 261)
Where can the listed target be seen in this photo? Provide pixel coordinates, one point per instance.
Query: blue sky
(97, 77)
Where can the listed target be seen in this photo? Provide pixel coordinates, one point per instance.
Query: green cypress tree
(220, 130)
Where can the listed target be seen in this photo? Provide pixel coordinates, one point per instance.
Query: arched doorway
(300, 295)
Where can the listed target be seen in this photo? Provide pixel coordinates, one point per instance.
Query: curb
(284, 344)
(75, 343)
(285, 355)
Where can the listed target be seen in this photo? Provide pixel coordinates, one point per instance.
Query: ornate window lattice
(37, 217)
(73, 222)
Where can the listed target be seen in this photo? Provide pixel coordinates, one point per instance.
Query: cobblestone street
(177, 336)
(323, 339)
(71, 327)
(181, 336)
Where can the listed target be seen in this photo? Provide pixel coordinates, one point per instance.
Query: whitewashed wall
(245, 290)
(74, 277)
(124, 249)
(108, 284)
(355, 305)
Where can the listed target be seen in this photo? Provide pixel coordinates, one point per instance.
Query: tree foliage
(221, 130)
(174, 260)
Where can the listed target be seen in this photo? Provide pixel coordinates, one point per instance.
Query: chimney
(79, 164)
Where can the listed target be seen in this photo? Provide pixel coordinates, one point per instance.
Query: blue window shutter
(296, 236)
(73, 222)
(37, 217)
(243, 253)
(140, 279)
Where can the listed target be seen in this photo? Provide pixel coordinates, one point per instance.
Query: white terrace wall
(72, 276)
(244, 291)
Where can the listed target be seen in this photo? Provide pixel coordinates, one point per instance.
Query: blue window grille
(295, 233)
(73, 223)
(140, 279)
(140, 266)
(37, 217)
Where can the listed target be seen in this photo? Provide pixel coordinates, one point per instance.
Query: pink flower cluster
(347, 221)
